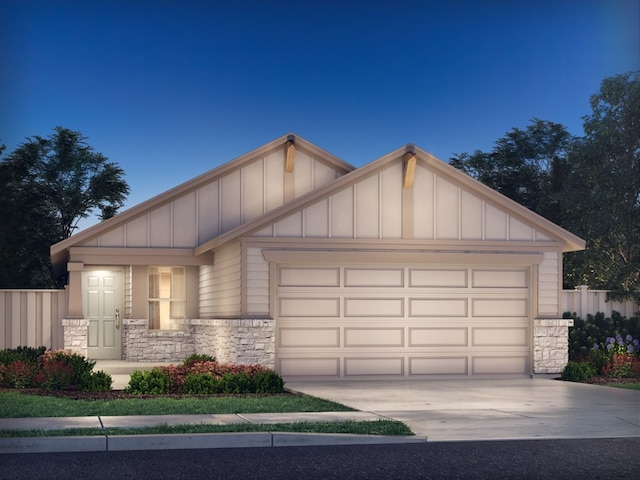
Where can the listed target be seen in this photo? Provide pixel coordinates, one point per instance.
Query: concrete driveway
(444, 410)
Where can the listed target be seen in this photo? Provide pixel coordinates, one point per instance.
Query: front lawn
(18, 404)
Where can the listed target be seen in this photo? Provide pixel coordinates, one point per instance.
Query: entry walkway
(444, 410)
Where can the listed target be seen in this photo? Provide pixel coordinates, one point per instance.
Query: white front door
(102, 305)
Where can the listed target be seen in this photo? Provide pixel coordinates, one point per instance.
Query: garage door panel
(374, 337)
(438, 307)
(373, 307)
(438, 365)
(499, 307)
(499, 279)
(373, 366)
(368, 277)
(488, 365)
(300, 366)
(308, 337)
(432, 278)
(309, 307)
(500, 337)
(309, 277)
(438, 337)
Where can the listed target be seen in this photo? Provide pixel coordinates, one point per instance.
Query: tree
(602, 196)
(46, 186)
(588, 185)
(527, 166)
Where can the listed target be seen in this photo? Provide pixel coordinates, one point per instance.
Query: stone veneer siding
(76, 334)
(240, 341)
(550, 344)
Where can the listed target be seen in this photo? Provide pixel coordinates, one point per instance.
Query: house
(289, 257)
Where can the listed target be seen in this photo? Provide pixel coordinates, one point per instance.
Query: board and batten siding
(32, 318)
(236, 197)
(220, 284)
(374, 207)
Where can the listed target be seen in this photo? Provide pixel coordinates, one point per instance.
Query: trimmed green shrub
(202, 384)
(148, 382)
(268, 382)
(98, 382)
(577, 371)
(26, 354)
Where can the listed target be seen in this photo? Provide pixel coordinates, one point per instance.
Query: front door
(102, 306)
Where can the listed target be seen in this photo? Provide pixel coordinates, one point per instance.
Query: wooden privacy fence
(583, 302)
(32, 318)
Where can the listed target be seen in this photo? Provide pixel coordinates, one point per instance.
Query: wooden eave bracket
(409, 169)
(291, 153)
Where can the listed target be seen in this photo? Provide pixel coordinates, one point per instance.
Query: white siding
(549, 284)
(257, 283)
(225, 202)
(220, 285)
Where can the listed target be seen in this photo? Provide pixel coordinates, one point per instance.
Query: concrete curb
(114, 443)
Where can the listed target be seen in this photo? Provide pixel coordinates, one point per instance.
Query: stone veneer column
(550, 344)
(76, 334)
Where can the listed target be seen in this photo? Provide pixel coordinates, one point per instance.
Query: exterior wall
(550, 344)
(435, 209)
(257, 283)
(235, 197)
(549, 284)
(139, 344)
(76, 334)
(220, 285)
(241, 341)
(32, 318)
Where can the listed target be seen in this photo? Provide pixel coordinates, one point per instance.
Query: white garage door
(355, 322)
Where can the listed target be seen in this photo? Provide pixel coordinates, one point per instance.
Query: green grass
(629, 386)
(377, 427)
(14, 404)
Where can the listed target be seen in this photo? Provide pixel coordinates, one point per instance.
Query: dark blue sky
(171, 89)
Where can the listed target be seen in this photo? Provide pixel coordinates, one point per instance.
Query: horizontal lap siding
(220, 285)
(32, 318)
(257, 281)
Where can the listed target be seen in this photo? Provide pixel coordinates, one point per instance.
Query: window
(167, 293)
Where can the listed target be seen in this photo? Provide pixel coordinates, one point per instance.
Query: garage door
(351, 322)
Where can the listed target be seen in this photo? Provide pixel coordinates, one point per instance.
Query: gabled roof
(58, 251)
(570, 242)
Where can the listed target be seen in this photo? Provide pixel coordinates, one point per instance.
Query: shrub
(27, 354)
(98, 382)
(202, 384)
(62, 369)
(622, 365)
(148, 382)
(18, 374)
(577, 371)
(268, 382)
(585, 333)
(197, 358)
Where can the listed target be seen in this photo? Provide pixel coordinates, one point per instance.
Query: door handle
(117, 318)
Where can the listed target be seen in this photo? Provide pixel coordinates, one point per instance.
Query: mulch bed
(601, 380)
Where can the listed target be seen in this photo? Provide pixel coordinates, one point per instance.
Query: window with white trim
(167, 298)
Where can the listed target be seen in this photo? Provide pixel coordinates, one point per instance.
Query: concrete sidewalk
(179, 441)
